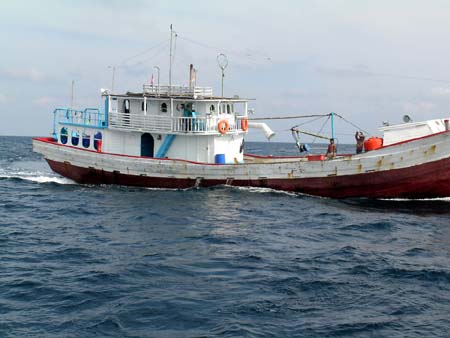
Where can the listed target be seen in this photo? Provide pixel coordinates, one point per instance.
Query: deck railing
(89, 117)
(193, 92)
(94, 118)
(172, 125)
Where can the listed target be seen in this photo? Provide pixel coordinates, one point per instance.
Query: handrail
(193, 92)
(89, 117)
(173, 125)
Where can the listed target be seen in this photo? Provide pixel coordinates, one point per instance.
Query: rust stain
(379, 163)
(392, 165)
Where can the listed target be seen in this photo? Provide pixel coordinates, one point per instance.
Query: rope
(354, 125)
(286, 117)
(311, 121)
(323, 126)
(143, 52)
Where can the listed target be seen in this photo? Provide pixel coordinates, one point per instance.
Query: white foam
(263, 190)
(440, 199)
(36, 177)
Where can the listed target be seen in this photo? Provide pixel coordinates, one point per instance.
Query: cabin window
(212, 109)
(228, 109)
(97, 140)
(86, 141)
(126, 112)
(163, 107)
(63, 135)
(146, 106)
(75, 138)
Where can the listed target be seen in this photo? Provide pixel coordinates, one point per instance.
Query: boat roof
(179, 93)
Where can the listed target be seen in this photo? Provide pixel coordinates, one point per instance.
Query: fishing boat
(169, 136)
(183, 137)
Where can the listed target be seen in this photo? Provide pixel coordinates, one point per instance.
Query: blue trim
(82, 125)
(332, 125)
(106, 110)
(55, 135)
(90, 118)
(164, 148)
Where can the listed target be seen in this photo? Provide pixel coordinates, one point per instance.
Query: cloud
(441, 92)
(3, 98)
(44, 101)
(344, 73)
(31, 74)
(419, 107)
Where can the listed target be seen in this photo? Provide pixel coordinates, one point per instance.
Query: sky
(369, 61)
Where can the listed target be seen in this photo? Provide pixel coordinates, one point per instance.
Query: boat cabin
(162, 122)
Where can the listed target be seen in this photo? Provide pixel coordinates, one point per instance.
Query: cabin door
(147, 145)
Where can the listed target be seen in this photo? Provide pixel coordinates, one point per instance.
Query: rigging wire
(235, 52)
(351, 123)
(310, 121)
(154, 55)
(143, 52)
(323, 126)
(286, 117)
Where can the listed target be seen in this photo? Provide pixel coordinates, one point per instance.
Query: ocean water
(104, 261)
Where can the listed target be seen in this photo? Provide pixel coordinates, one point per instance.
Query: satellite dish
(407, 119)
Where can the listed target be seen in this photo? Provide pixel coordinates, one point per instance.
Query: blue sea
(111, 261)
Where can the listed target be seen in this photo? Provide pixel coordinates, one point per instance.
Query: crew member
(359, 136)
(331, 151)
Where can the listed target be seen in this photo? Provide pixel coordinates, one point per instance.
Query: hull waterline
(428, 180)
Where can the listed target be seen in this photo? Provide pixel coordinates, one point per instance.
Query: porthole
(75, 138)
(86, 141)
(63, 135)
(98, 140)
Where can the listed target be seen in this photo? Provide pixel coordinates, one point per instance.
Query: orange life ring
(244, 124)
(223, 126)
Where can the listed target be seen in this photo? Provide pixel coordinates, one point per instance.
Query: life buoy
(244, 124)
(223, 126)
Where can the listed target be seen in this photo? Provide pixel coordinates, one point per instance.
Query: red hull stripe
(428, 180)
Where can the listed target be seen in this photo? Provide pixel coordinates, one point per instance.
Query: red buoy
(373, 143)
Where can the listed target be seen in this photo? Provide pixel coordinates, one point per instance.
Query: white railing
(140, 122)
(178, 91)
(175, 125)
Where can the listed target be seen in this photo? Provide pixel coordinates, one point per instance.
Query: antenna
(71, 96)
(171, 57)
(158, 69)
(113, 76)
(223, 63)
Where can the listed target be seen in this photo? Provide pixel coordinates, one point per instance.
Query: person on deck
(359, 136)
(331, 151)
(187, 114)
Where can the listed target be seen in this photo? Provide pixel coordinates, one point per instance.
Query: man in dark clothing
(359, 136)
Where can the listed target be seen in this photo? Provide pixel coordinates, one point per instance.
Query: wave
(36, 177)
(262, 190)
(445, 199)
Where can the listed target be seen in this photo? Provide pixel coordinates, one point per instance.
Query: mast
(71, 95)
(332, 125)
(170, 60)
